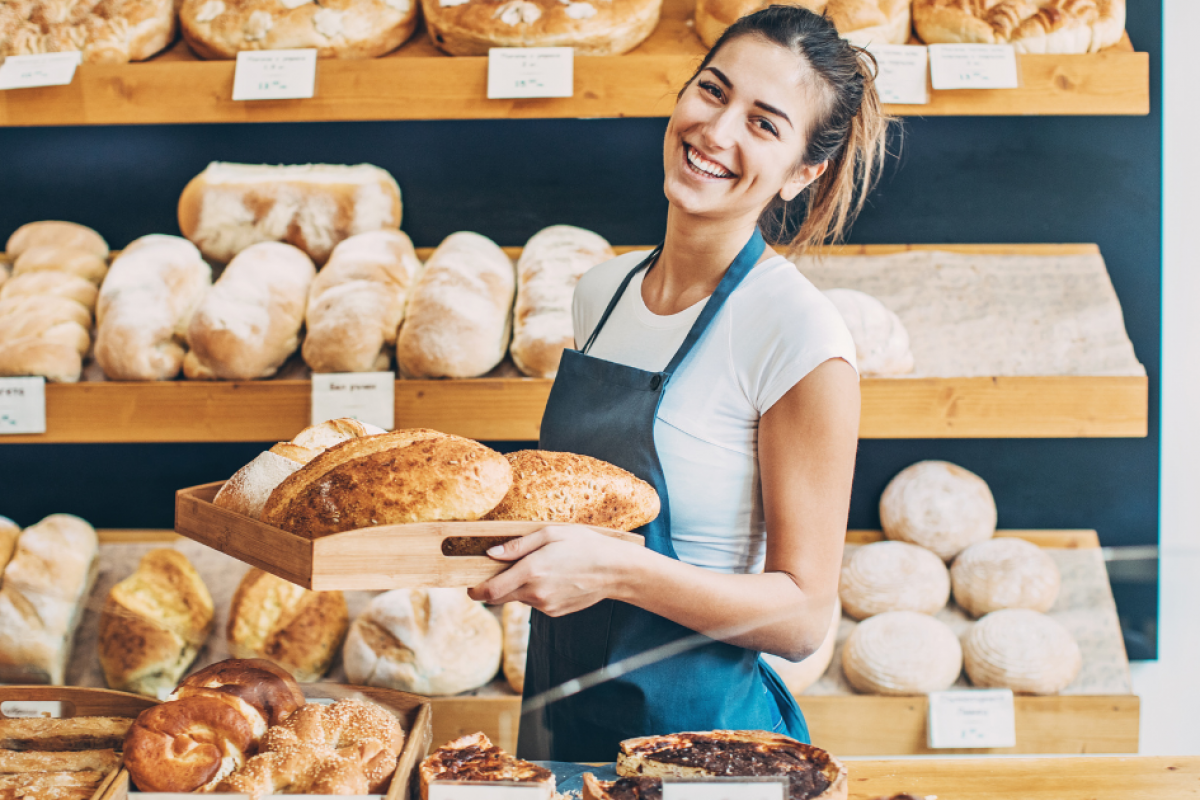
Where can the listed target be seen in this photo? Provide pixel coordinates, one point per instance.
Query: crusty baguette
(72, 733)
(69, 761)
(57, 234)
(85, 264)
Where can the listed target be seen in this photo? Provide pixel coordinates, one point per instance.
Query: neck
(698, 250)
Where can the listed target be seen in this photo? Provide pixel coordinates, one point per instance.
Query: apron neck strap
(646, 262)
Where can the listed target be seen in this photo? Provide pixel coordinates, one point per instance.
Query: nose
(718, 130)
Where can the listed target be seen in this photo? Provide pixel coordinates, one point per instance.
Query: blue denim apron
(607, 410)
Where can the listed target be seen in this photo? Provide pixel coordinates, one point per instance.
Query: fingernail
(495, 551)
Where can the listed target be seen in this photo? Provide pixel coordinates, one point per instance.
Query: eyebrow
(770, 109)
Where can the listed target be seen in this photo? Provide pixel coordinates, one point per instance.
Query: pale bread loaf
(570, 488)
(249, 322)
(514, 618)
(247, 491)
(938, 505)
(112, 32)
(9, 531)
(798, 676)
(551, 264)
(52, 283)
(860, 22)
(326, 434)
(56, 234)
(1030, 26)
(356, 303)
(893, 576)
(1023, 650)
(1004, 573)
(902, 653)
(390, 479)
(230, 207)
(426, 641)
(56, 361)
(145, 307)
(48, 307)
(14, 327)
(5, 271)
(83, 263)
(880, 339)
(591, 27)
(459, 317)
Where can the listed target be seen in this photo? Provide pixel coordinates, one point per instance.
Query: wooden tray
(425, 555)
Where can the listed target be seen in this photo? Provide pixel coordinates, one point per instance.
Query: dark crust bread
(475, 758)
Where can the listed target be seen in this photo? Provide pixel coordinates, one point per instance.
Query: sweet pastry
(893, 576)
(1023, 650)
(861, 22)
(901, 653)
(515, 620)
(1030, 26)
(112, 32)
(592, 27)
(1004, 573)
(880, 338)
(938, 505)
(798, 676)
(475, 758)
(425, 641)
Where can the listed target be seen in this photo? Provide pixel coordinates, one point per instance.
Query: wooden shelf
(419, 82)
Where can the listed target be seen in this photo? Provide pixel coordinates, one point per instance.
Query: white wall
(1170, 688)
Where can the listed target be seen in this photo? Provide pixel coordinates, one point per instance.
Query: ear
(800, 179)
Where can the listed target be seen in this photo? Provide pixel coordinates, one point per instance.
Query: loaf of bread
(56, 234)
(394, 478)
(427, 641)
(1022, 650)
(45, 334)
(939, 506)
(40, 734)
(9, 532)
(861, 22)
(551, 264)
(360, 29)
(51, 283)
(249, 322)
(1004, 573)
(292, 627)
(902, 653)
(798, 676)
(112, 32)
(357, 302)
(145, 307)
(459, 318)
(228, 207)
(56, 361)
(880, 339)
(1030, 26)
(268, 690)
(153, 624)
(592, 27)
(515, 620)
(326, 434)
(41, 597)
(893, 576)
(53, 258)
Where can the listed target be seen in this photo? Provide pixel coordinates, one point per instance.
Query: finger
(521, 546)
(495, 589)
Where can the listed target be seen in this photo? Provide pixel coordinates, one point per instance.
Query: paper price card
(764, 788)
(22, 405)
(523, 72)
(487, 790)
(275, 75)
(903, 73)
(973, 66)
(972, 718)
(365, 396)
(43, 69)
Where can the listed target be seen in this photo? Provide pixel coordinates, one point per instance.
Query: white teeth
(704, 165)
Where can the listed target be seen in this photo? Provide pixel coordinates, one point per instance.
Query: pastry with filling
(475, 758)
(1030, 26)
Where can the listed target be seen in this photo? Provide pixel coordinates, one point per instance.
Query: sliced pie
(475, 758)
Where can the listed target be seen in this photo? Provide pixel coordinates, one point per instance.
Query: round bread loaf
(902, 653)
(860, 22)
(799, 675)
(1022, 650)
(1004, 573)
(880, 339)
(893, 576)
(427, 641)
(938, 505)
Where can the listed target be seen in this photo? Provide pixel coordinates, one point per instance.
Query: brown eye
(711, 88)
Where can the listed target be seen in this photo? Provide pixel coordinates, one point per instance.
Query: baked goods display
(356, 303)
(54, 233)
(592, 27)
(938, 505)
(1023, 650)
(459, 318)
(290, 626)
(153, 624)
(550, 265)
(474, 758)
(249, 323)
(111, 32)
(799, 675)
(336, 28)
(1030, 26)
(1004, 573)
(880, 339)
(228, 207)
(861, 22)
(426, 641)
(893, 576)
(58, 759)
(514, 618)
(902, 653)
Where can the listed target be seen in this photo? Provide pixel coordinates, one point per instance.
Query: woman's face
(737, 132)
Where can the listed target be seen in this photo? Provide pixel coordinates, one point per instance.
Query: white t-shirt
(773, 330)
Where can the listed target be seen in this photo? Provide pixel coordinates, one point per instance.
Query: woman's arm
(806, 447)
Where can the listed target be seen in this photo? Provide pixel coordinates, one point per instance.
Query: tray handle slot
(455, 546)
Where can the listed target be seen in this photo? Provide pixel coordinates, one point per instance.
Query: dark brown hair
(849, 131)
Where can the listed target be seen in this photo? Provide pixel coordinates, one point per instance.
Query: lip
(700, 175)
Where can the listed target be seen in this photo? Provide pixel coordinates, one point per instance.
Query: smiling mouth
(703, 166)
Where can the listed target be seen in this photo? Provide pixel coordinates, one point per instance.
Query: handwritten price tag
(765, 788)
(972, 718)
(44, 69)
(903, 73)
(491, 790)
(522, 72)
(275, 75)
(973, 66)
(22, 405)
(365, 396)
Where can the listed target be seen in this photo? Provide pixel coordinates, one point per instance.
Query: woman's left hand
(559, 570)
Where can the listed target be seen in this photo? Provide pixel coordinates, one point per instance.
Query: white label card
(767, 788)
(972, 718)
(487, 790)
(43, 69)
(523, 72)
(973, 66)
(22, 405)
(903, 73)
(275, 75)
(364, 396)
(31, 709)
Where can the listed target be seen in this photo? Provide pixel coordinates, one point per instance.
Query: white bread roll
(799, 675)
(1022, 650)
(229, 207)
(56, 234)
(459, 317)
(515, 619)
(426, 641)
(43, 258)
(938, 505)
(145, 306)
(52, 283)
(1004, 573)
(551, 264)
(249, 323)
(356, 304)
(893, 576)
(902, 653)
(880, 339)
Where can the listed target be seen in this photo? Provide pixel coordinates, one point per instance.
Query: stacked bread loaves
(880, 338)
(902, 653)
(591, 27)
(938, 505)
(1004, 573)
(1030, 26)
(893, 576)
(111, 32)
(861, 22)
